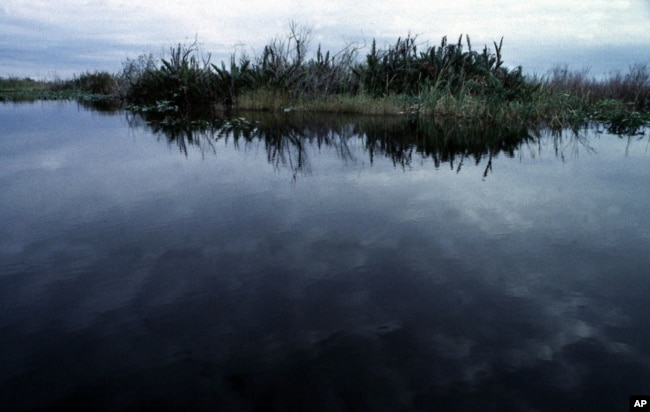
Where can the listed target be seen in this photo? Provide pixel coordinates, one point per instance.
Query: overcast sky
(45, 38)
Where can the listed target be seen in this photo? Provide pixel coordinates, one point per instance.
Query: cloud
(116, 28)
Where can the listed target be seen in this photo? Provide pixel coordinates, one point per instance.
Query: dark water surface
(332, 266)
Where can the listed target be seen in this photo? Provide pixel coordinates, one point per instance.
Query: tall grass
(86, 86)
(622, 101)
(450, 67)
(448, 80)
(632, 88)
(183, 80)
(286, 75)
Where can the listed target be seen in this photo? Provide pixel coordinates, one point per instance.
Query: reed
(86, 86)
(361, 103)
(631, 88)
(12, 84)
(448, 80)
(183, 79)
(621, 101)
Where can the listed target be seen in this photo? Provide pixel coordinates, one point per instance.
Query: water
(320, 264)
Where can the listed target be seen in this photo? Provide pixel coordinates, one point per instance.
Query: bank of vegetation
(449, 80)
(86, 86)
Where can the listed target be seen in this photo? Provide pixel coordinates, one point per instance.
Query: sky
(56, 39)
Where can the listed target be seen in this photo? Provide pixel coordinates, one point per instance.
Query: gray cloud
(40, 38)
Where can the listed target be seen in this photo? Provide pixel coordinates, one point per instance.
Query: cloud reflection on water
(415, 285)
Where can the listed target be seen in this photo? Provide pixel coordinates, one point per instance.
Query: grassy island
(451, 80)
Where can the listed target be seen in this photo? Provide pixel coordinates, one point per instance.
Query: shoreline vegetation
(449, 81)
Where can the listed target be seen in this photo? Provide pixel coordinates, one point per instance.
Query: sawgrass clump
(448, 80)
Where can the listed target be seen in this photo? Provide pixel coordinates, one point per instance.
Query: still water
(325, 264)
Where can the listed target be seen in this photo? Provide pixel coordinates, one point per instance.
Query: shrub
(96, 83)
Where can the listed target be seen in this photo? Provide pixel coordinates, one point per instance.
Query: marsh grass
(12, 84)
(621, 101)
(344, 103)
(632, 88)
(20, 89)
(84, 87)
(450, 80)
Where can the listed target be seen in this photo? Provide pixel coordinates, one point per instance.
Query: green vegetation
(450, 80)
(86, 87)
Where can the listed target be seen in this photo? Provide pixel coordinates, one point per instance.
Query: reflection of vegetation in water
(289, 140)
(443, 142)
(286, 143)
(199, 134)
